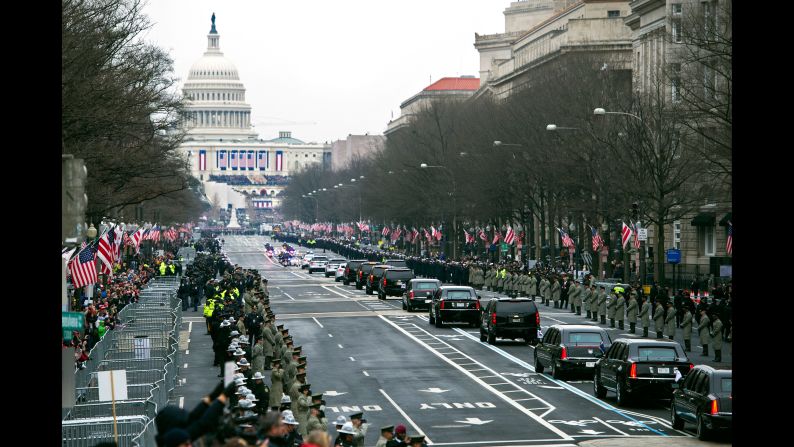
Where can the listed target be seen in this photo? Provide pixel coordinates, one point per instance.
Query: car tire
(439, 322)
(620, 392)
(408, 307)
(381, 296)
(483, 338)
(430, 318)
(675, 421)
(368, 291)
(358, 287)
(310, 271)
(599, 391)
(702, 432)
(491, 338)
(555, 371)
(538, 365)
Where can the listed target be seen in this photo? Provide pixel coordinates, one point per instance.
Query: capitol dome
(215, 97)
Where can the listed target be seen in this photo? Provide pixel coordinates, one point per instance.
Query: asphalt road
(369, 355)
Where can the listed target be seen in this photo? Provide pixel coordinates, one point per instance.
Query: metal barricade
(134, 392)
(143, 407)
(147, 437)
(90, 432)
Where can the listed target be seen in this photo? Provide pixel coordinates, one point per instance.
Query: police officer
(620, 308)
(716, 337)
(658, 318)
(686, 325)
(631, 311)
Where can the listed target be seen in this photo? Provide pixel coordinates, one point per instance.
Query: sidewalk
(197, 376)
(671, 441)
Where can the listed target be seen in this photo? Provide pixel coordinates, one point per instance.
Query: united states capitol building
(225, 153)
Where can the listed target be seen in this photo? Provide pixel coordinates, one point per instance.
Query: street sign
(673, 256)
(505, 247)
(70, 322)
(642, 233)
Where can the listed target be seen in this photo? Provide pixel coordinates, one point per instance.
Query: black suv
(362, 274)
(393, 282)
(510, 318)
(396, 263)
(351, 271)
(571, 347)
(374, 277)
(704, 398)
(633, 367)
(455, 303)
(419, 293)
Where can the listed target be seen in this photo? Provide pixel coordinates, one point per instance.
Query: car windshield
(726, 385)
(335, 261)
(399, 275)
(319, 258)
(459, 295)
(396, 263)
(425, 286)
(657, 353)
(584, 338)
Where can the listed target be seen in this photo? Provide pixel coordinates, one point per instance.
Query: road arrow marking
(333, 393)
(591, 432)
(434, 390)
(474, 421)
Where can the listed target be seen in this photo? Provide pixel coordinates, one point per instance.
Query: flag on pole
(625, 235)
(636, 236)
(510, 236)
(428, 236)
(469, 237)
(385, 231)
(597, 241)
(483, 236)
(105, 252)
(83, 267)
(566, 240)
(414, 233)
(729, 244)
(396, 234)
(496, 236)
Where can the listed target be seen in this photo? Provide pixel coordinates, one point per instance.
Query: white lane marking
(340, 346)
(407, 418)
(189, 328)
(571, 388)
(299, 276)
(352, 359)
(485, 385)
(610, 426)
(330, 336)
(184, 366)
(187, 351)
(317, 321)
(287, 295)
(343, 295)
(181, 401)
(507, 443)
(365, 373)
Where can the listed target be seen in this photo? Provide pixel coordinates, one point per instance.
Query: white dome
(213, 66)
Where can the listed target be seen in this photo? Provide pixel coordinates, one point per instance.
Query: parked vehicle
(704, 398)
(393, 282)
(510, 318)
(571, 348)
(419, 293)
(455, 304)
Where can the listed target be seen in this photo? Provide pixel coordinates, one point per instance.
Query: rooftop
(461, 83)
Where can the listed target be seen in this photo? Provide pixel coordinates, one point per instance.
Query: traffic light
(635, 211)
(650, 251)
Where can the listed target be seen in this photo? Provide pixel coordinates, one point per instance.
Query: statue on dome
(213, 24)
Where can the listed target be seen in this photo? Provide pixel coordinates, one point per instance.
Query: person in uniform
(669, 321)
(658, 319)
(295, 392)
(386, 435)
(360, 426)
(645, 315)
(631, 311)
(594, 302)
(602, 305)
(555, 291)
(346, 433)
(532, 287)
(417, 441)
(716, 337)
(276, 386)
(302, 409)
(313, 422)
(544, 290)
(620, 309)
(611, 302)
(587, 294)
(686, 326)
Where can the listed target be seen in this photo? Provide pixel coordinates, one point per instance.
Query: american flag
(729, 244)
(222, 160)
(433, 231)
(414, 233)
(155, 233)
(105, 252)
(597, 241)
(396, 234)
(438, 235)
(496, 236)
(566, 240)
(362, 226)
(136, 239)
(428, 236)
(636, 236)
(483, 236)
(118, 243)
(83, 268)
(469, 237)
(385, 231)
(510, 236)
(625, 235)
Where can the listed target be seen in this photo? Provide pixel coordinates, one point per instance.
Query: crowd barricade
(144, 343)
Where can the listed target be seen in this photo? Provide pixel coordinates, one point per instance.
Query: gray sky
(344, 64)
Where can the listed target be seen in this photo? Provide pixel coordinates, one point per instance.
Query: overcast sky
(344, 64)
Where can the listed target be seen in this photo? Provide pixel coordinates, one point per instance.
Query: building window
(677, 234)
(707, 240)
(305, 155)
(613, 13)
(674, 90)
(675, 29)
(677, 9)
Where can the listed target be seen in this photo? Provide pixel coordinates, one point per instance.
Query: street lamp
(554, 127)
(91, 232)
(454, 210)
